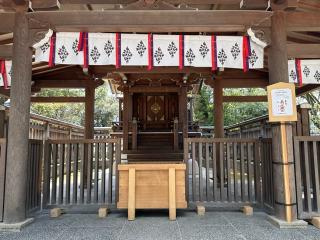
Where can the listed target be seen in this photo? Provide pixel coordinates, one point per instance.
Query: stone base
(283, 224)
(15, 227)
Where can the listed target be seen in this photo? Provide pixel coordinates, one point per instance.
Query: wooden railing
(223, 170)
(34, 176)
(81, 172)
(307, 167)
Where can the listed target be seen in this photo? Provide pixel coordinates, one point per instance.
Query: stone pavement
(155, 225)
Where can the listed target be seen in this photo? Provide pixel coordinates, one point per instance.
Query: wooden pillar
(127, 116)
(283, 167)
(183, 110)
(89, 113)
(218, 109)
(17, 154)
(2, 123)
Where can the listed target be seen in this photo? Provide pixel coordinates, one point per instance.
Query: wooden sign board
(282, 102)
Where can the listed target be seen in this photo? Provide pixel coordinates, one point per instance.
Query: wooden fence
(307, 157)
(224, 170)
(78, 172)
(34, 176)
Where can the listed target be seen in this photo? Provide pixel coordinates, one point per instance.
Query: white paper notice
(281, 102)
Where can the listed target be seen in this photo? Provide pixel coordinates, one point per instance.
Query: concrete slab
(287, 225)
(15, 227)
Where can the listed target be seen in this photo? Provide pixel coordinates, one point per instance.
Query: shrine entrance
(155, 112)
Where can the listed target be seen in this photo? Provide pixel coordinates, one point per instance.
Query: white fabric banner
(293, 77)
(102, 48)
(229, 52)
(67, 49)
(165, 50)
(43, 52)
(134, 49)
(310, 71)
(9, 74)
(197, 51)
(256, 58)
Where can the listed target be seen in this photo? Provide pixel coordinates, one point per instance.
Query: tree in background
(105, 106)
(233, 112)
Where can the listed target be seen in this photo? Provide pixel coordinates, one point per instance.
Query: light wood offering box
(152, 186)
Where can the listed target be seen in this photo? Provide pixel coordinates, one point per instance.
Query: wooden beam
(5, 51)
(303, 21)
(45, 5)
(306, 89)
(245, 99)
(66, 83)
(147, 89)
(150, 21)
(244, 83)
(254, 4)
(132, 1)
(58, 99)
(7, 22)
(303, 50)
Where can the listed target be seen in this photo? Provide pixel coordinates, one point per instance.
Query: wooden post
(134, 133)
(183, 110)
(172, 194)
(127, 116)
(218, 109)
(282, 144)
(304, 109)
(218, 119)
(132, 194)
(89, 113)
(17, 155)
(176, 134)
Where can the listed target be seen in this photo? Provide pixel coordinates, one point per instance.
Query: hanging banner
(150, 50)
(305, 72)
(6, 74)
(134, 49)
(166, 50)
(282, 102)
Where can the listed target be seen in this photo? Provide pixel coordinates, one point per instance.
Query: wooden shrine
(155, 111)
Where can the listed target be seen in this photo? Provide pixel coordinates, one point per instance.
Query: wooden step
(155, 156)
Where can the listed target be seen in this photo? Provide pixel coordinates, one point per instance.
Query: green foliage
(314, 100)
(233, 112)
(105, 106)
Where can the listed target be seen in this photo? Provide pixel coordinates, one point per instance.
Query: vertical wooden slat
(193, 172)
(214, 166)
(75, 173)
(61, 173)
(297, 158)
(186, 161)
(54, 173)
(96, 172)
(228, 173)
(221, 160)
(200, 173)
(242, 172)
(47, 174)
(249, 160)
(117, 161)
(68, 171)
(235, 170)
(208, 195)
(257, 152)
(103, 173)
(82, 172)
(89, 172)
(307, 177)
(316, 176)
(111, 162)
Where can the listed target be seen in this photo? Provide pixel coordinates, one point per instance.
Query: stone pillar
(17, 152)
(283, 173)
